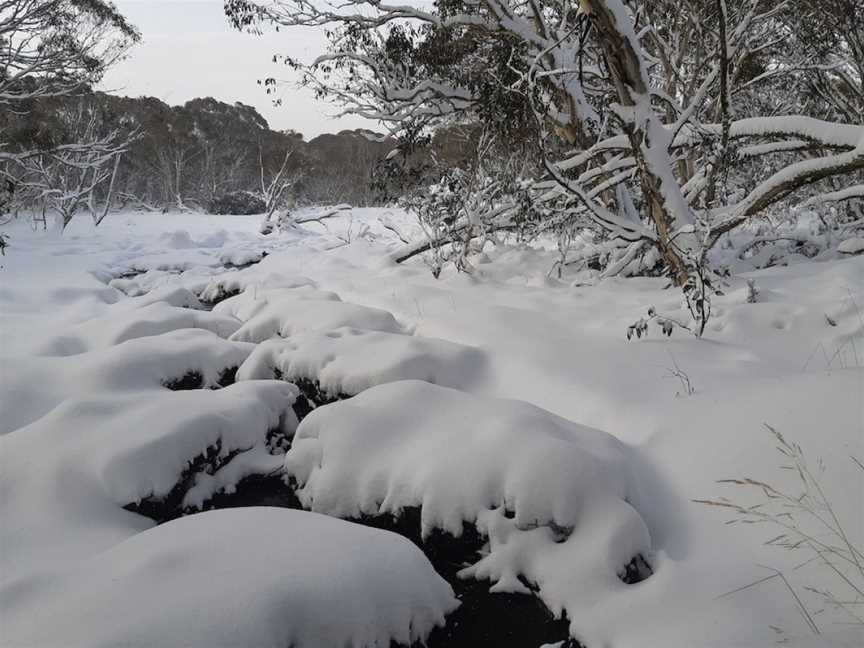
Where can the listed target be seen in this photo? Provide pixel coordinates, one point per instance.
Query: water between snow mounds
(140, 278)
(484, 618)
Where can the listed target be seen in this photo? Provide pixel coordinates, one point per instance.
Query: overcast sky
(188, 50)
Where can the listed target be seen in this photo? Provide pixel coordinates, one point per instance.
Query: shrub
(242, 203)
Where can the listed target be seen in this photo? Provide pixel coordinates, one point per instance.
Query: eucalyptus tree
(648, 115)
(53, 48)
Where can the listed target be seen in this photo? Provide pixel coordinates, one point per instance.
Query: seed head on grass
(807, 522)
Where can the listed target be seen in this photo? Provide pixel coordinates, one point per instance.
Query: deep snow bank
(261, 577)
(104, 428)
(66, 477)
(550, 495)
(286, 312)
(346, 361)
(145, 319)
(40, 383)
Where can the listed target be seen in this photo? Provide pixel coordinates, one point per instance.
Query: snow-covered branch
(650, 120)
(51, 47)
(65, 178)
(849, 193)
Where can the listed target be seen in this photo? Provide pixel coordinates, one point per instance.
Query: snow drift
(551, 495)
(265, 313)
(262, 577)
(345, 361)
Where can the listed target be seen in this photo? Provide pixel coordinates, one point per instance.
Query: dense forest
(195, 156)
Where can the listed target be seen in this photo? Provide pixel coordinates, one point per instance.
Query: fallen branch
(338, 210)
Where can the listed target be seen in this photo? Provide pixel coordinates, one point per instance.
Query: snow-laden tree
(650, 116)
(52, 48)
(66, 176)
(460, 208)
(276, 187)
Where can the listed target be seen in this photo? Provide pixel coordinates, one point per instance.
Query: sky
(189, 50)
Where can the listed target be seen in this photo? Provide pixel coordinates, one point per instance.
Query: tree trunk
(110, 193)
(625, 66)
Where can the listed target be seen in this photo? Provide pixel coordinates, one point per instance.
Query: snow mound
(177, 296)
(215, 240)
(177, 240)
(240, 257)
(122, 324)
(76, 467)
(128, 287)
(239, 577)
(256, 461)
(348, 360)
(38, 384)
(134, 282)
(233, 283)
(269, 312)
(551, 495)
(851, 246)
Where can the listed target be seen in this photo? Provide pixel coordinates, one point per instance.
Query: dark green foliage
(241, 203)
(204, 154)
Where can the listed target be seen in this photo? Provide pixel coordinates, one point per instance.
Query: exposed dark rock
(189, 380)
(636, 571)
(221, 296)
(195, 380)
(130, 274)
(257, 490)
(483, 619)
(228, 376)
(311, 397)
(169, 507)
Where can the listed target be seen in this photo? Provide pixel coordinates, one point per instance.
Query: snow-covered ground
(503, 399)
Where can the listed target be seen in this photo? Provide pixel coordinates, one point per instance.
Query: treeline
(205, 155)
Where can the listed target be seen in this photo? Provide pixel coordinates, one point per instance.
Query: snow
(255, 461)
(518, 471)
(372, 455)
(240, 577)
(795, 127)
(285, 313)
(240, 257)
(114, 449)
(232, 283)
(540, 406)
(851, 246)
(148, 320)
(829, 133)
(349, 360)
(40, 383)
(848, 193)
(768, 190)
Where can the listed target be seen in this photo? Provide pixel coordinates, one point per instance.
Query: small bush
(241, 203)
